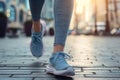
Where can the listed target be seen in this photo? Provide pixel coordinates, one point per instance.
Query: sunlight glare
(80, 4)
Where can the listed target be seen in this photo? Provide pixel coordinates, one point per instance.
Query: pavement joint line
(119, 67)
(11, 75)
(84, 75)
(33, 78)
(96, 67)
(94, 73)
(110, 71)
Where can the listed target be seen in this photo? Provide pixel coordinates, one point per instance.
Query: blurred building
(48, 13)
(97, 9)
(16, 11)
(114, 13)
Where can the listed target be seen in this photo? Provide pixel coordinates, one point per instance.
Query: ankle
(36, 26)
(58, 48)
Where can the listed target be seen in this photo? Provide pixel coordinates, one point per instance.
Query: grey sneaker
(59, 66)
(36, 45)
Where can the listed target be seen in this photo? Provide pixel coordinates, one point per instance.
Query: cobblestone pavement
(94, 58)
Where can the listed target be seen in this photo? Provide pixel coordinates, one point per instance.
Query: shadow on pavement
(63, 78)
(38, 64)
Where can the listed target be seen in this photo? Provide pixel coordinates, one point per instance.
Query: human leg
(36, 45)
(63, 11)
(58, 64)
(36, 7)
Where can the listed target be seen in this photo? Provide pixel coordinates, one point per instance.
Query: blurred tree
(107, 27)
(116, 11)
(95, 12)
(76, 17)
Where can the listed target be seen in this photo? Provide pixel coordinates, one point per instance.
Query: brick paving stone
(3, 76)
(32, 68)
(22, 65)
(15, 78)
(85, 64)
(45, 79)
(96, 79)
(101, 68)
(20, 71)
(33, 76)
(82, 73)
(114, 71)
(14, 72)
(9, 68)
(78, 79)
(103, 76)
(97, 69)
(55, 78)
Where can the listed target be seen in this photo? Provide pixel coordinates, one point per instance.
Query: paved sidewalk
(94, 58)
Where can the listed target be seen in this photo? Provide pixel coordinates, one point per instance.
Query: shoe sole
(68, 72)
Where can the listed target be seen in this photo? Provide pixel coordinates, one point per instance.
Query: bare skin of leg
(58, 48)
(36, 26)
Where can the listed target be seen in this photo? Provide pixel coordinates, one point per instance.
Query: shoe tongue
(57, 55)
(37, 33)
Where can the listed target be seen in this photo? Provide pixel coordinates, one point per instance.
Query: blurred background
(90, 17)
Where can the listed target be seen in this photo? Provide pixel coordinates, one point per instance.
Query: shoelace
(66, 56)
(69, 57)
(35, 38)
